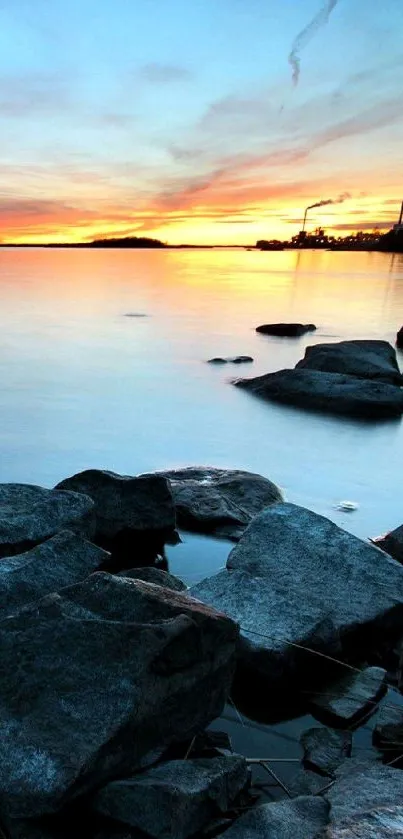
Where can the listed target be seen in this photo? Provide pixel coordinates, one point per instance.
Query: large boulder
(331, 392)
(176, 799)
(31, 514)
(302, 818)
(219, 501)
(365, 802)
(134, 516)
(298, 584)
(96, 678)
(63, 560)
(399, 339)
(363, 359)
(392, 543)
(286, 330)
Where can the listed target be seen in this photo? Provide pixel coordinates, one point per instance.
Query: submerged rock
(98, 677)
(331, 392)
(388, 732)
(63, 560)
(353, 697)
(175, 800)
(324, 749)
(134, 516)
(297, 583)
(301, 818)
(156, 576)
(31, 514)
(374, 360)
(221, 502)
(287, 330)
(365, 803)
(392, 543)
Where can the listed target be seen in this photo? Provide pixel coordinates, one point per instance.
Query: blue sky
(182, 118)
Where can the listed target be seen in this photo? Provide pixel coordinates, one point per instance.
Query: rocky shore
(112, 670)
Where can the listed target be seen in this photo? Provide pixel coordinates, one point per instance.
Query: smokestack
(306, 213)
(401, 214)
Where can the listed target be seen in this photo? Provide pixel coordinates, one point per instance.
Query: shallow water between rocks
(103, 364)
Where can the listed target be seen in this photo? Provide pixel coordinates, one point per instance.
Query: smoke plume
(343, 197)
(304, 37)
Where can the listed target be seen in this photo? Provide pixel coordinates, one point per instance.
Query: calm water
(83, 385)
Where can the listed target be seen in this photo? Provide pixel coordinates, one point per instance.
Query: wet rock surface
(177, 799)
(302, 818)
(296, 582)
(374, 360)
(31, 514)
(286, 330)
(96, 678)
(221, 502)
(330, 392)
(324, 749)
(63, 560)
(352, 698)
(134, 515)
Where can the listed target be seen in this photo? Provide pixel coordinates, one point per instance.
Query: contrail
(306, 35)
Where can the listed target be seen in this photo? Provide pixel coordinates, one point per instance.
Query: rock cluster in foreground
(109, 680)
(357, 378)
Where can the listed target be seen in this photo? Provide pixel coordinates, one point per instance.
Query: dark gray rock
(388, 732)
(154, 575)
(241, 359)
(31, 514)
(174, 800)
(329, 392)
(382, 823)
(237, 359)
(362, 359)
(219, 501)
(305, 782)
(134, 516)
(63, 560)
(301, 818)
(351, 698)
(296, 582)
(324, 749)
(287, 330)
(365, 803)
(95, 679)
(392, 543)
(399, 339)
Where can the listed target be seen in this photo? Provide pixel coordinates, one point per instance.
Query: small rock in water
(352, 698)
(347, 506)
(388, 732)
(176, 799)
(325, 749)
(237, 359)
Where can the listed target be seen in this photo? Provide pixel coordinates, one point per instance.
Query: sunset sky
(179, 119)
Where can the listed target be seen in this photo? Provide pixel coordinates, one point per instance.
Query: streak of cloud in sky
(303, 39)
(164, 119)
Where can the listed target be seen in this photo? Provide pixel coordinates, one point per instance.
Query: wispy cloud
(158, 73)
